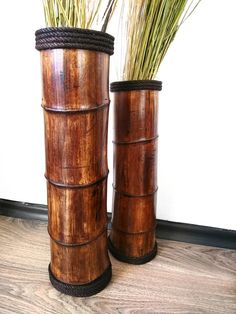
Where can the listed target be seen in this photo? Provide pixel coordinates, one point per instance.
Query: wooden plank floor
(184, 278)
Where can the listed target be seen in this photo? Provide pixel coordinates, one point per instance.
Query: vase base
(84, 290)
(131, 259)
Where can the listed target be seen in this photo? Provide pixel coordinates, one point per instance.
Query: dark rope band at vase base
(84, 290)
(131, 259)
(74, 38)
(123, 86)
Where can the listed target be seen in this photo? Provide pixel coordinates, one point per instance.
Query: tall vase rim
(73, 38)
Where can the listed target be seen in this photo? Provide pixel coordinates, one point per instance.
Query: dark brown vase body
(132, 238)
(76, 105)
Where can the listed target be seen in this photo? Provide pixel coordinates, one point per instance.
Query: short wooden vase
(132, 238)
(75, 74)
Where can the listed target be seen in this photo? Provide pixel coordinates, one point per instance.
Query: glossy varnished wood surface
(183, 278)
(74, 77)
(76, 105)
(135, 171)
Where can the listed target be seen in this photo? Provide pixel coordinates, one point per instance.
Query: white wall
(197, 118)
(21, 116)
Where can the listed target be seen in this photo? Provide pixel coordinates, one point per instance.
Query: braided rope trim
(74, 38)
(85, 290)
(136, 85)
(72, 30)
(73, 46)
(69, 40)
(131, 259)
(61, 33)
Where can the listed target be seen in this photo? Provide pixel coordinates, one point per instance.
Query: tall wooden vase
(132, 237)
(75, 69)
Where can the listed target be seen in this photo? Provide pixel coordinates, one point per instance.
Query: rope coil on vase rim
(121, 86)
(74, 38)
(82, 290)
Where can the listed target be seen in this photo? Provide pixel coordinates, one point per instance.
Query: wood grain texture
(184, 278)
(76, 105)
(135, 172)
